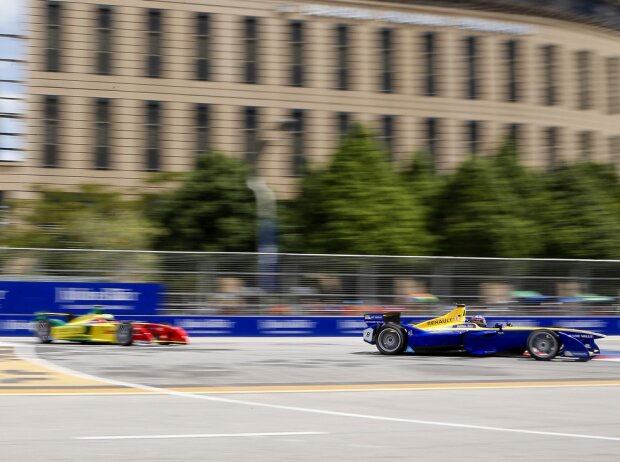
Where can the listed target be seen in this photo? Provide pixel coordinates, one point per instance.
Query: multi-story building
(116, 90)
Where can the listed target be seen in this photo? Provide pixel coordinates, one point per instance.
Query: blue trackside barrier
(135, 299)
(308, 326)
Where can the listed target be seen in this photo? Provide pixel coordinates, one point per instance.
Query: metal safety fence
(208, 283)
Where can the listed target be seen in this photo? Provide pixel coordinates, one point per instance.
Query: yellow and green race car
(99, 327)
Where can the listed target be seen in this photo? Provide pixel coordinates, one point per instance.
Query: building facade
(119, 90)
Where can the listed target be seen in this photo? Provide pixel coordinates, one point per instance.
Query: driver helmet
(478, 319)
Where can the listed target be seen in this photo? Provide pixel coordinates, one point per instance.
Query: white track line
(197, 435)
(27, 351)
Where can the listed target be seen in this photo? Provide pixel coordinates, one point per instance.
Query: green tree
(211, 210)
(426, 186)
(479, 214)
(582, 216)
(422, 180)
(358, 204)
(89, 218)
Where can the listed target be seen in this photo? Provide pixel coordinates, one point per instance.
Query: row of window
(153, 131)
(472, 48)
(253, 142)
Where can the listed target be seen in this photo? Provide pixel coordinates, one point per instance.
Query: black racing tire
(543, 344)
(43, 331)
(391, 339)
(124, 333)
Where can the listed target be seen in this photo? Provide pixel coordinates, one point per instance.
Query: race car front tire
(44, 331)
(391, 339)
(124, 333)
(543, 344)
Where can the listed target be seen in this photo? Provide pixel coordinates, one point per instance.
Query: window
(4, 209)
(153, 136)
(297, 134)
(514, 135)
(104, 39)
(548, 55)
(551, 135)
(473, 137)
(202, 46)
(297, 54)
(251, 51)
(344, 124)
(387, 134)
(251, 136)
(202, 129)
(102, 134)
(12, 124)
(342, 53)
(387, 76)
(154, 44)
(53, 37)
(51, 128)
(613, 85)
(614, 150)
(512, 70)
(585, 140)
(430, 64)
(583, 80)
(431, 129)
(472, 78)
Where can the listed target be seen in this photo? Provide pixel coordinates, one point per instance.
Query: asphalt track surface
(300, 400)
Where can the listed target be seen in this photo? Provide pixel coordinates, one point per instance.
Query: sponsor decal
(74, 294)
(279, 324)
(436, 322)
(206, 323)
(373, 317)
(15, 324)
(345, 324)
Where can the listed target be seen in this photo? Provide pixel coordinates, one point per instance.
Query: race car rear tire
(124, 333)
(543, 344)
(391, 340)
(44, 331)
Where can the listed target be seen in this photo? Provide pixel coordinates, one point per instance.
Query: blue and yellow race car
(455, 332)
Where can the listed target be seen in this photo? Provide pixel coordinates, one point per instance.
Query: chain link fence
(205, 283)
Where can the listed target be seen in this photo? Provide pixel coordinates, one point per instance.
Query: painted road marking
(273, 389)
(197, 435)
(19, 373)
(28, 351)
(25, 374)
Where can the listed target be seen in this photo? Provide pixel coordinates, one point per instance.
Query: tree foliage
(582, 214)
(89, 218)
(358, 204)
(211, 210)
(479, 214)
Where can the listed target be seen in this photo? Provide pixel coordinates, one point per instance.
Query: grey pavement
(555, 423)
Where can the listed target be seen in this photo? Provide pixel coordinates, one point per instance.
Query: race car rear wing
(377, 319)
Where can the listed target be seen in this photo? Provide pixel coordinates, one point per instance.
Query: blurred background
(320, 157)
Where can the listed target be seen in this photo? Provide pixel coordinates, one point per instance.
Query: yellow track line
(367, 387)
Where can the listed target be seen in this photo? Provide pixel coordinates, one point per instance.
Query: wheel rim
(43, 329)
(544, 345)
(390, 340)
(123, 332)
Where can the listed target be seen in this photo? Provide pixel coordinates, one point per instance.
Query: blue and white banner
(17, 297)
(306, 326)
